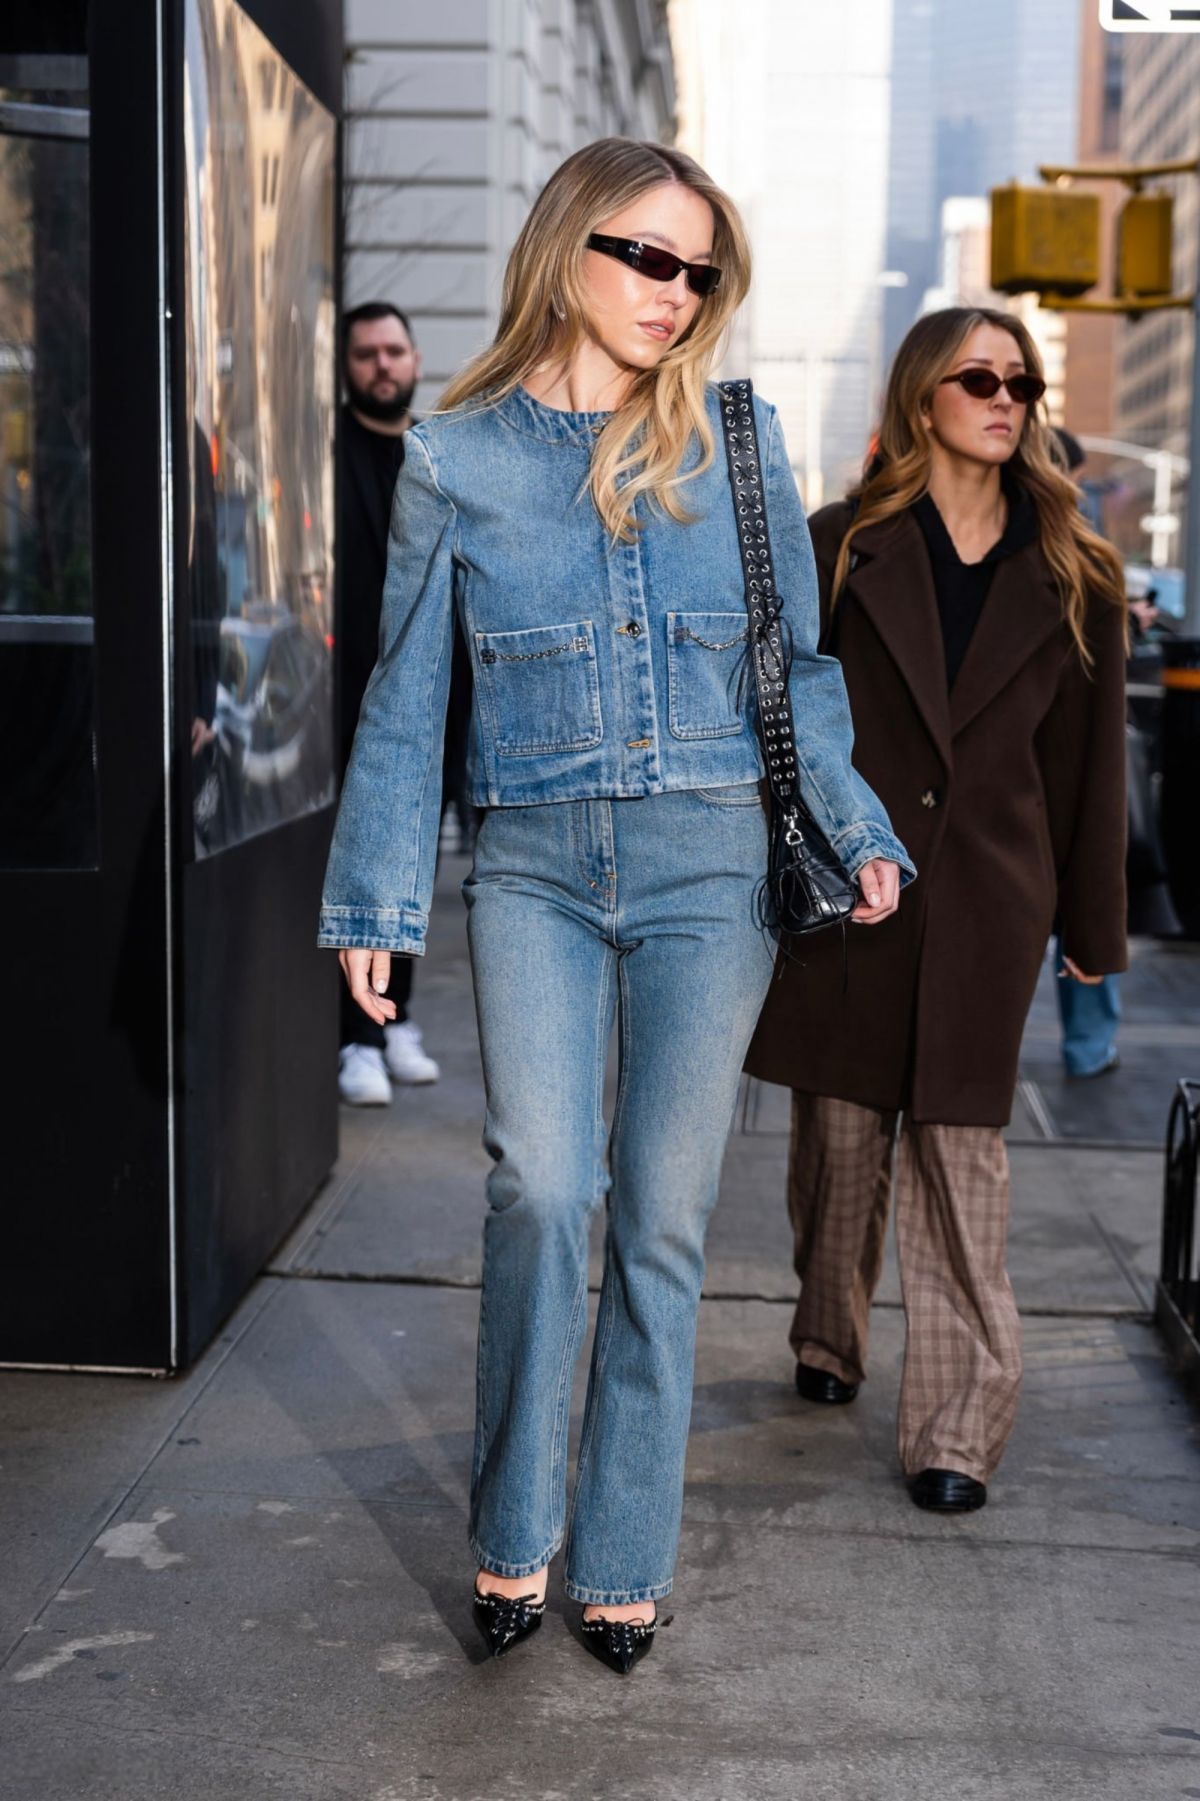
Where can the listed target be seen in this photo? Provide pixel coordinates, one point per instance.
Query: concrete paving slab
(60, 1757)
(347, 1390)
(365, 1393)
(1106, 1451)
(792, 1658)
(1084, 1233)
(1158, 1041)
(71, 1447)
(107, 1762)
(294, 1584)
(335, 1402)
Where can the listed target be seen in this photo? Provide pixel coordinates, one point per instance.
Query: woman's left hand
(1076, 974)
(879, 881)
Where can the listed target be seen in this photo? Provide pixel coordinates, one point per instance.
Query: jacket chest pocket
(540, 689)
(705, 659)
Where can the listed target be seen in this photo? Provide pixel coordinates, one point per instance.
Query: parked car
(273, 721)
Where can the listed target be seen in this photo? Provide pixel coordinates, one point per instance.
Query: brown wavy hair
(542, 318)
(897, 472)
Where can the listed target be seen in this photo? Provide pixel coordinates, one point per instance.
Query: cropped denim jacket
(601, 670)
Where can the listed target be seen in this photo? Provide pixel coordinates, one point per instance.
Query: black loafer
(947, 1491)
(619, 1643)
(819, 1385)
(504, 1620)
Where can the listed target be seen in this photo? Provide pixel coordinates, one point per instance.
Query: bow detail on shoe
(619, 1643)
(505, 1620)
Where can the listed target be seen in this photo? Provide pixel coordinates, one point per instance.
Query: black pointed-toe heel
(504, 1620)
(619, 1643)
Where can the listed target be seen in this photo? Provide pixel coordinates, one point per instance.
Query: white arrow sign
(1148, 15)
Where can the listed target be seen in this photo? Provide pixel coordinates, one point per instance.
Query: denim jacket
(601, 670)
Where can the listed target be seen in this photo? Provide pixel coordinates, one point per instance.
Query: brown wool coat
(1009, 795)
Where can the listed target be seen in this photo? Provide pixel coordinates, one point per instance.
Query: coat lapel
(893, 584)
(1021, 611)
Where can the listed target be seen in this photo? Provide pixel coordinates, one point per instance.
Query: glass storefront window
(47, 659)
(259, 158)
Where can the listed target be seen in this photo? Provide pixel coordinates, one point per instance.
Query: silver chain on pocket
(531, 656)
(684, 633)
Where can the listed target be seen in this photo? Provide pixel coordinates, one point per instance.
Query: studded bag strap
(763, 604)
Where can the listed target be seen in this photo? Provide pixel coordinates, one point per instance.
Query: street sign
(1148, 15)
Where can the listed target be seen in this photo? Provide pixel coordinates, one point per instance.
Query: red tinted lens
(1025, 389)
(980, 384)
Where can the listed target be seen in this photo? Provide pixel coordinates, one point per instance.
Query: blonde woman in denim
(569, 502)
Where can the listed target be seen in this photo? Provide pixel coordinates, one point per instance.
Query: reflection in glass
(259, 160)
(47, 747)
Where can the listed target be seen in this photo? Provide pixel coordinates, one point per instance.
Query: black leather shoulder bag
(806, 886)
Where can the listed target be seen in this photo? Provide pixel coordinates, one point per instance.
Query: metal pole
(1191, 562)
(1160, 536)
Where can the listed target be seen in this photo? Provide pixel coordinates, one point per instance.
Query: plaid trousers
(962, 1361)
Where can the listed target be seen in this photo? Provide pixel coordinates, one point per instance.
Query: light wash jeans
(1090, 1017)
(579, 912)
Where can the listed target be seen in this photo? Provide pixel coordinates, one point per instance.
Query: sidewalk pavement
(253, 1582)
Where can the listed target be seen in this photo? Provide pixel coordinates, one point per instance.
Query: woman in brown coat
(981, 628)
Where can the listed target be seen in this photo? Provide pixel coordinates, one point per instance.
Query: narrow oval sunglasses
(658, 265)
(985, 384)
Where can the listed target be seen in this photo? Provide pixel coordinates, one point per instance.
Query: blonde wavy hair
(897, 473)
(543, 313)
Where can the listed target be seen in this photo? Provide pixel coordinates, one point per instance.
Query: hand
(202, 736)
(1076, 974)
(368, 973)
(879, 881)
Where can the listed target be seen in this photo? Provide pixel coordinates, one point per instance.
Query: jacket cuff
(1095, 951)
(859, 844)
(400, 929)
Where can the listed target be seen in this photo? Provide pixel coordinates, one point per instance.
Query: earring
(558, 309)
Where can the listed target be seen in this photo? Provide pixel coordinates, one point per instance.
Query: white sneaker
(406, 1060)
(362, 1078)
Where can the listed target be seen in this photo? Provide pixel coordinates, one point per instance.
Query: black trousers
(356, 1028)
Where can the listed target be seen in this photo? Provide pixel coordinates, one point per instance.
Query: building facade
(981, 95)
(456, 115)
(1160, 120)
(1092, 338)
(788, 110)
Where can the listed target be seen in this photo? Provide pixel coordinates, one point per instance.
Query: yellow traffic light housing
(1144, 245)
(1044, 240)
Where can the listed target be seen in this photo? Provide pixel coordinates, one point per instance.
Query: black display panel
(48, 808)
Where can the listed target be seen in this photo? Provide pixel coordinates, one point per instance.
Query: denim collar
(550, 423)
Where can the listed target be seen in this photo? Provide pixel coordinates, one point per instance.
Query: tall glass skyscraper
(981, 94)
(788, 107)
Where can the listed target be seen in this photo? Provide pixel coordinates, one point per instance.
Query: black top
(371, 461)
(962, 588)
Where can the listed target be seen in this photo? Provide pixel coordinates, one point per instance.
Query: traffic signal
(1044, 240)
(1144, 245)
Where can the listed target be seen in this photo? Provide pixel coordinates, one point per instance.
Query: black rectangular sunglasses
(658, 264)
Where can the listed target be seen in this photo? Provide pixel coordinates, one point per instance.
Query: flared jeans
(582, 913)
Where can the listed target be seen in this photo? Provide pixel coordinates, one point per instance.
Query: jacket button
(633, 629)
(932, 797)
